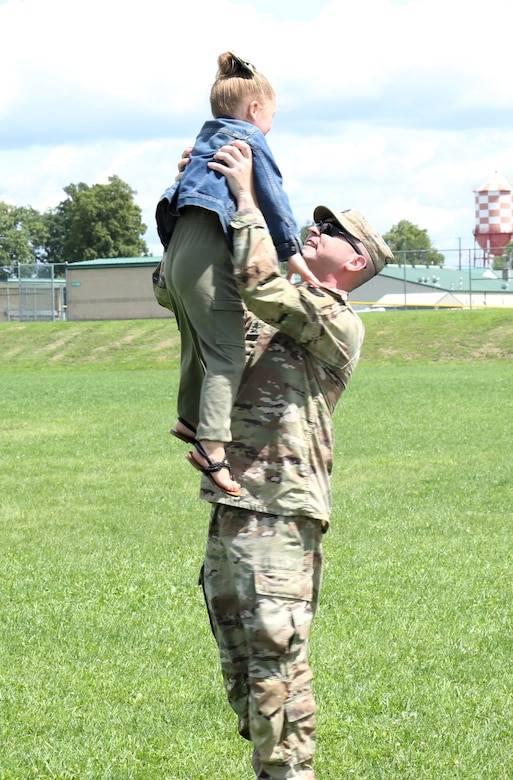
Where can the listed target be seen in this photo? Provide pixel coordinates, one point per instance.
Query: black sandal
(212, 469)
(183, 436)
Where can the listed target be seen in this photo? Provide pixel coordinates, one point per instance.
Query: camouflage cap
(357, 226)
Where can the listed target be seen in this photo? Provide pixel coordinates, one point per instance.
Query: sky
(399, 108)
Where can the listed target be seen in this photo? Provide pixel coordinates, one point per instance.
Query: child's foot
(210, 459)
(184, 431)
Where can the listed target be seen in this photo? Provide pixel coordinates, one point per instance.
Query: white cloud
(397, 108)
(59, 158)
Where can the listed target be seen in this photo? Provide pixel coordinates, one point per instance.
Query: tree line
(103, 220)
(408, 242)
(411, 245)
(95, 221)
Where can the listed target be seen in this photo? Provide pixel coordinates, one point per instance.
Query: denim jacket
(202, 187)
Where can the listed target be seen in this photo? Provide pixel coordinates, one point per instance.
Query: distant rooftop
(117, 262)
(450, 279)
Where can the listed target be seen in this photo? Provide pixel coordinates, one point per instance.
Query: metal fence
(37, 292)
(33, 292)
(461, 258)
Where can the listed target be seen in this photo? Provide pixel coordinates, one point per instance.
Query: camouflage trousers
(261, 578)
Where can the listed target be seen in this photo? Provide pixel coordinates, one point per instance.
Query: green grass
(107, 666)
(420, 337)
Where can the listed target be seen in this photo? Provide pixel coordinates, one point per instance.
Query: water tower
(494, 216)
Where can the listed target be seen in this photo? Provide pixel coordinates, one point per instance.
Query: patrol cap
(357, 226)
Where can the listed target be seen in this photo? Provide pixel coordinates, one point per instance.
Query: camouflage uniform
(263, 561)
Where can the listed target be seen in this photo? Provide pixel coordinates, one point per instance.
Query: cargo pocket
(300, 713)
(283, 610)
(228, 321)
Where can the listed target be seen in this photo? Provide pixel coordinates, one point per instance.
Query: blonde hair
(237, 81)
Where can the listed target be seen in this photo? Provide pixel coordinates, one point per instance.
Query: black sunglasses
(334, 230)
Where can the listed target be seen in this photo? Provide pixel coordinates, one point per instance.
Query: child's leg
(192, 373)
(202, 276)
(224, 358)
(192, 366)
(225, 363)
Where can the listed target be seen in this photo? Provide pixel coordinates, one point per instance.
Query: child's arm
(298, 266)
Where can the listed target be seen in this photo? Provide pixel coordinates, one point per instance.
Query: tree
(505, 260)
(57, 223)
(411, 244)
(23, 235)
(97, 221)
(304, 231)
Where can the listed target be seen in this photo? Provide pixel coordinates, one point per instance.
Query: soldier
(262, 569)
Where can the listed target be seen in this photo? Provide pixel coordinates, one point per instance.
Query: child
(193, 221)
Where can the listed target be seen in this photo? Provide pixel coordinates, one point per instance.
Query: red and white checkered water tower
(494, 216)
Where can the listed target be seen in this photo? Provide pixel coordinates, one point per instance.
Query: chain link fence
(37, 292)
(33, 292)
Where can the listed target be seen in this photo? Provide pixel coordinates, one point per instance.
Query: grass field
(107, 667)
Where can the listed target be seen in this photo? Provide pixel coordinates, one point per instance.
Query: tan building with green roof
(112, 289)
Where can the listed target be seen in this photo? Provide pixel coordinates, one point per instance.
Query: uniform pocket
(282, 605)
(285, 584)
(228, 321)
(300, 712)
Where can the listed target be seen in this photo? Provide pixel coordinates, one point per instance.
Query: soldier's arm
(319, 320)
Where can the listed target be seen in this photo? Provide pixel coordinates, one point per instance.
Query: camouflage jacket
(302, 345)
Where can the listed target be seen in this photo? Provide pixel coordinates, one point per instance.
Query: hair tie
(243, 63)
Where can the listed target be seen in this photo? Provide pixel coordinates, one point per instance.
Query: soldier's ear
(356, 263)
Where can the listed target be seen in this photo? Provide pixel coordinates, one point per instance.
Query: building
(119, 289)
(401, 286)
(112, 289)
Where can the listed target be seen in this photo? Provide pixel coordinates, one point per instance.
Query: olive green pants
(209, 313)
(261, 578)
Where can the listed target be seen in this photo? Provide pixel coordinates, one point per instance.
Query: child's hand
(298, 266)
(184, 162)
